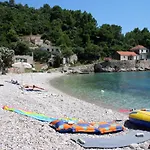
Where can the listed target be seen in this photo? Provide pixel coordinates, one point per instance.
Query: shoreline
(21, 132)
(97, 103)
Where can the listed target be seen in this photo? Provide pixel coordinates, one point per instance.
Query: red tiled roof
(138, 47)
(126, 53)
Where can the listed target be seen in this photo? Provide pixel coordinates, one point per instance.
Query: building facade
(141, 51)
(23, 58)
(125, 55)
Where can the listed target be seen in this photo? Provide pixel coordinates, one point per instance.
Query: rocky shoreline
(122, 66)
(109, 66)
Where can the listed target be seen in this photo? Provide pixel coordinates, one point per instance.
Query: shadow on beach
(130, 125)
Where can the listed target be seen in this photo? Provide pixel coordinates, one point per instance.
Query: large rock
(98, 68)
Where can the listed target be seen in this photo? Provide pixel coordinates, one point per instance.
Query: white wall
(143, 56)
(123, 57)
(134, 58)
(128, 58)
(138, 57)
(143, 51)
(19, 58)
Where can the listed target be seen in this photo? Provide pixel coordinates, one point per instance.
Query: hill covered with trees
(74, 31)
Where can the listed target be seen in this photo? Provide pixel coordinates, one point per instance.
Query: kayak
(140, 117)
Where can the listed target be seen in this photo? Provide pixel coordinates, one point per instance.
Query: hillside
(74, 31)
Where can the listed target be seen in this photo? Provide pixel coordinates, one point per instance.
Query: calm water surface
(119, 90)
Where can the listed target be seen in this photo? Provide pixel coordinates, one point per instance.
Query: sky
(129, 14)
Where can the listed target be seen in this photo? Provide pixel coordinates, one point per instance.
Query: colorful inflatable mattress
(80, 127)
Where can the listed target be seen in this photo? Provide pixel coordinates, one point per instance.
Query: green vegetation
(74, 31)
(6, 56)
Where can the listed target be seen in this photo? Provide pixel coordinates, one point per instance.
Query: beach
(19, 132)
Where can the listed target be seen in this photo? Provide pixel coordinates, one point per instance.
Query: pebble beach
(18, 132)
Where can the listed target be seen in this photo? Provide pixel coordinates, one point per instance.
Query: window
(25, 60)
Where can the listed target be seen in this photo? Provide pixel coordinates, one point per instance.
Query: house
(36, 40)
(50, 48)
(125, 55)
(33, 39)
(141, 51)
(23, 58)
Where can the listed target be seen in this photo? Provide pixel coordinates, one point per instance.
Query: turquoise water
(118, 90)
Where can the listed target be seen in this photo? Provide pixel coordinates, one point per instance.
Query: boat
(140, 117)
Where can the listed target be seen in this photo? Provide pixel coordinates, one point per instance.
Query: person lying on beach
(33, 87)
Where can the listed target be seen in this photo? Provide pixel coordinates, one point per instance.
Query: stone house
(34, 39)
(54, 50)
(37, 41)
(50, 48)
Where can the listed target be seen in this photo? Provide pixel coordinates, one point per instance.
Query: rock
(109, 111)
(133, 146)
(44, 67)
(145, 145)
(98, 68)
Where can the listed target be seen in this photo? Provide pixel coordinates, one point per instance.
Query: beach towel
(132, 137)
(85, 127)
(37, 116)
(34, 115)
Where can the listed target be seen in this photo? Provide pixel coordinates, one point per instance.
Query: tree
(67, 51)
(6, 56)
(21, 48)
(64, 40)
(56, 12)
(57, 61)
(41, 55)
(12, 2)
(93, 52)
(73, 31)
(12, 36)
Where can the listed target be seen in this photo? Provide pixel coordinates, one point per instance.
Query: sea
(119, 90)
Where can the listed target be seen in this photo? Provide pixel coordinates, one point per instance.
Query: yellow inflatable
(140, 117)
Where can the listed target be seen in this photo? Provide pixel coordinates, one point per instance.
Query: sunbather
(33, 87)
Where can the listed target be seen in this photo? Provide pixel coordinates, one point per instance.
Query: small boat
(140, 117)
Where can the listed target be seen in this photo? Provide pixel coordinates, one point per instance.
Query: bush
(41, 56)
